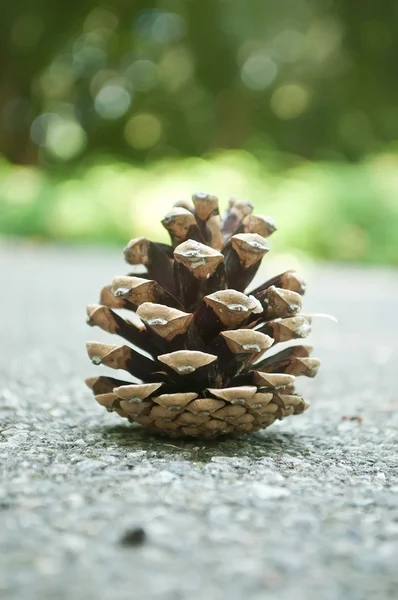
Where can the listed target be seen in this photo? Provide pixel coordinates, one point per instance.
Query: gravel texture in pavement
(94, 508)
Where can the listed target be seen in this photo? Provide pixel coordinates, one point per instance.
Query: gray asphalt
(92, 508)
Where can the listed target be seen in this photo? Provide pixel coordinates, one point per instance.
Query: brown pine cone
(199, 349)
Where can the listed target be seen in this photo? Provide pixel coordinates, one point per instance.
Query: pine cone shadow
(273, 444)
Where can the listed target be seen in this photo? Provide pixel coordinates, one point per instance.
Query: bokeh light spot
(102, 77)
(65, 139)
(112, 101)
(176, 68)
(160, 26)
(258, 72)
(93, 39)
(289, 45)
(100, 18)
(323, 38)
(290, 101)
(143, 131)
(39, 127)
(88, 60)
(58, 78)
(143, 75)
(168, 28)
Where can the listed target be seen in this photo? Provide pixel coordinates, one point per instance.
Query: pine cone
(204, 369)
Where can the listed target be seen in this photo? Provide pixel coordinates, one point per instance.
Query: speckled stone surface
(94, 508)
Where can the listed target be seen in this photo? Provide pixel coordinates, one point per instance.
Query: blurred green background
(112, 111)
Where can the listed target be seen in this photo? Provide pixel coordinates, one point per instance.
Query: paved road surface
(306, 510)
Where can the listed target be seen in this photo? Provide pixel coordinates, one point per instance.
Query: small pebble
(133, 537)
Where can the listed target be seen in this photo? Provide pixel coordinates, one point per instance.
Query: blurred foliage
(111, 111)
(331, 211)
(146, 80)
